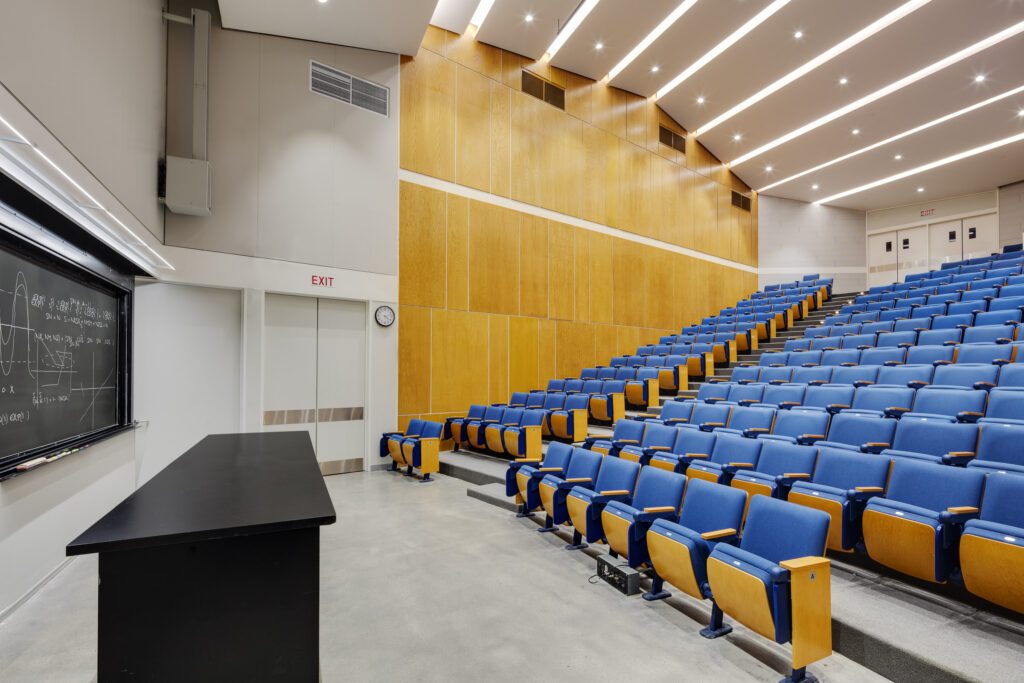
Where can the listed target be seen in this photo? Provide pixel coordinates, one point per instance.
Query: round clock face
(385, 316)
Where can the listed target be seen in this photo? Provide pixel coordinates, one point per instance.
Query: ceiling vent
(338, 85)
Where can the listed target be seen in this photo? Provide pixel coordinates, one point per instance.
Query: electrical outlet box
(188, 186)
(618, 574)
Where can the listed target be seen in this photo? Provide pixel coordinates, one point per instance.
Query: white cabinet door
(341, 385)
(981, 235)
(911, 251)
(945, 243)
(881, 259)
(289, 364)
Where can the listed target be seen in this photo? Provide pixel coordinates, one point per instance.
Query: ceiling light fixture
(322, 2)
(827, 55)
(927, 167)
(798, 35)
(768, 169)
(528, 18)
(814, 186)
(104, 233)
(599, 45)
(920, 189)
(737, 137)
(570, 27)
(980, 78)
(855, 131)
(900, 136)
(667, 22)
(700, 100)
(887, 90)
(655, 69)
(734, 37)
(481, 12)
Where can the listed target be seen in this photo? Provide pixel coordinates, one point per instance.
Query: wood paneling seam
(522, 207)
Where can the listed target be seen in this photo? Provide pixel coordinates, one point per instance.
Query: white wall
(797, 238)
(295, 175)
(93, 74)
(936, 211)
(41, 511)
(1011, 213)
(188, 343)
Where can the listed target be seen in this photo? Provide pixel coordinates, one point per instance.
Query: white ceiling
(385, 25)
(770, 51)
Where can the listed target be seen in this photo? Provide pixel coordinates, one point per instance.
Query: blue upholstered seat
(992, 545)
(658, 495)
(616, 480)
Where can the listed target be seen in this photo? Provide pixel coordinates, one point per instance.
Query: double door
(314, 375)
(894, 255)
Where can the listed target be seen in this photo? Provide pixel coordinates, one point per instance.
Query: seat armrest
(641, 416)
(959, 514)
(969, 416)
(958, 457)
(962, 510)
(754, 431)
(808, 439)
(673, 420)
(895, 411)
(695, 456)
(983, 385)
(549, 469)
(718, 534)
(741, 465)
(874, 446)
(917, 384)
(655, 449)
(862, 383)
(614, 492)
(941, 362)
(625, 442)
(865, 492)
(796, 475)
(526, 461)
(577, 480)
(834, 408)
(660, 508)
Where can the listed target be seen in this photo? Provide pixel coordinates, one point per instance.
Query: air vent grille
(542, 90)
(344, 87)
(672, 139)
(740, 200)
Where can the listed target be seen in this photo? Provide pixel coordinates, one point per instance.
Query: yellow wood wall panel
(523, 349)
(685, 219)
(606, 343)
(512, 69)
(600, 182)
(581, 275)
(627, 276)
(435, 40)
(634, 188)
(500, 139)
(414, 359)
(458, 360)
(493, 258)
(545, 352)
(574, 348)
(473, 129)
(578, 98)
(561, 271)
(705, 215)
(533, 264)
(498, 358)
(636, 119)
(609, 109)
(602, 304)
(421, 231)
(458, 252)
(528, 140)
(427, 131)
(480, 57)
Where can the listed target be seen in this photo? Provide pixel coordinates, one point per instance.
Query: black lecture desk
(210, 571)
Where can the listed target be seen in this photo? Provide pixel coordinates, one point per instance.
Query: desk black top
(226, 485)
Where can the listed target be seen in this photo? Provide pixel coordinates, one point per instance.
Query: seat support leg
(523, 512)
(657, 591)
(426, 479)
(549, 525)
(716, 628)
(799, 676)
(577, 541)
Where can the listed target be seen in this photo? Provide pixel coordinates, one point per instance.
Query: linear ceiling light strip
(899, 136)
(731, 40)
(887, 90)
(926, 167)
(585, 8)
(480, 14)
(665, 24)
(833, 52)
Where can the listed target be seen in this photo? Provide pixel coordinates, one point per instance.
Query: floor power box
(617, 573)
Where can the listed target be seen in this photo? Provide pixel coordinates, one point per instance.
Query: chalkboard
(59, 362)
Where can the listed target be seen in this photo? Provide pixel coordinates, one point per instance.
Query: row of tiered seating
(942, 335)
(983, 352)
(765, 571)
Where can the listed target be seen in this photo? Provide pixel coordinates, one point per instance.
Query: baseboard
(10, 609)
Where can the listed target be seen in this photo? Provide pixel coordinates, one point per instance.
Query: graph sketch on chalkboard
(58, 357)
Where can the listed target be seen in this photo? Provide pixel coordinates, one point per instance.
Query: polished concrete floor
(422, 583)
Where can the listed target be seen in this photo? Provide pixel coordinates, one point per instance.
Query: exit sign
(928, 212)
(322, 280)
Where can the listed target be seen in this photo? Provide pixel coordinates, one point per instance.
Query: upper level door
(911, 251)
(945, 243)
(981, 235)
(881, 259)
